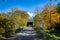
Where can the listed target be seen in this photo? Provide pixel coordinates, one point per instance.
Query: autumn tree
(36, 20)
(11, 21)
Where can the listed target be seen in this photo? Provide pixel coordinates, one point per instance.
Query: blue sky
(26, 5)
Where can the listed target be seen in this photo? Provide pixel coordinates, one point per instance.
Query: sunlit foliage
(49, 16)
(11, 21)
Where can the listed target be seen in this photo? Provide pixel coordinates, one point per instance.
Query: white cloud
(30, 14)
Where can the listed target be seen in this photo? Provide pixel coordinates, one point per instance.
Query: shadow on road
(26, 34)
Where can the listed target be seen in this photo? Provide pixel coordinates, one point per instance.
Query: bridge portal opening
(30, 24)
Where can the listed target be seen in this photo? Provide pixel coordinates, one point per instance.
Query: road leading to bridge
(26, 34)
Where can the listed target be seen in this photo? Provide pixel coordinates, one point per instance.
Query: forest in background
(48, 21)
(12, 22)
